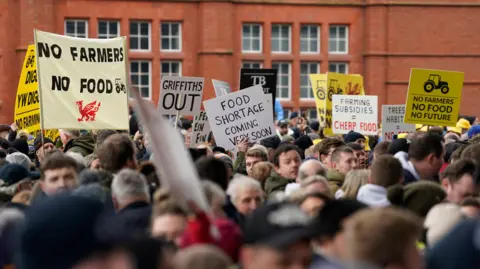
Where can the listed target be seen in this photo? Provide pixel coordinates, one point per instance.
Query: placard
(434, 97)
(267, 78)
(240, 115)
(354, 113)
(182, 95)
(392, 122)
(221, 87)
(200, 129)
(82, 82)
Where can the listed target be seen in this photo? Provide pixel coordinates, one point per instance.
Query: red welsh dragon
(88, 112)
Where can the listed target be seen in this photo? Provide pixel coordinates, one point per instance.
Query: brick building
(379, 39)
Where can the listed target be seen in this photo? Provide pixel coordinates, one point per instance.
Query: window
(305, 70)
(283, 80)
(108, 29)
(338, 68)
(338, 39)
(76, 28)
(252, 65)
(252, 38)
(310, 113)
(140, 77)
(286, 113)
(280, 38)
(171, 33)
(171, 68)
(139, 35)
(309, 39)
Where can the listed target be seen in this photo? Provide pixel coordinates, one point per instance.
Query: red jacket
(198, 232)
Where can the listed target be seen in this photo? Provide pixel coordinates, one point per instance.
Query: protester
(325, 148)
(460, 180)
(360, 154)
(437, 224)
(354, 180)
(343, 161)
(58, 173)
(354, 137)
(307, 168)
(246, 195)
(254, 156)
(286, 161)
(73, 142)
(471, 207)
(381, 149)
(213, 169)
(169, 221)
(42, 146)
(201, 257)
(117, 152)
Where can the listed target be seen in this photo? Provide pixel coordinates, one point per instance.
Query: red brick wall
(385, 40)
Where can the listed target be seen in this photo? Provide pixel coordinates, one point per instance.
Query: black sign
(265, 77)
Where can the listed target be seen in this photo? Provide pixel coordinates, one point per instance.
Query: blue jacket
(278, 110)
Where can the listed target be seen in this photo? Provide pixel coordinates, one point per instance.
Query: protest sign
(240, 115)
(434, 97)
(267, 78)
(182, 95)
(354, 113)
(82, 82)
(200, 129)
(392, 122)
(27, 102)
(324, 86)
(221, 87)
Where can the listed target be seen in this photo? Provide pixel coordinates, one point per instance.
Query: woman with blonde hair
(353, 181)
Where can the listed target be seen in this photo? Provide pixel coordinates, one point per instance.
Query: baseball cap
(282, 122)
(278, 225)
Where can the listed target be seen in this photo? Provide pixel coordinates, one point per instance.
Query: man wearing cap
(355, 138)
(42, 147)
(277, 236)
(282, 129)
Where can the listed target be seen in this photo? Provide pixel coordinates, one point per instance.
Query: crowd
(299, 199)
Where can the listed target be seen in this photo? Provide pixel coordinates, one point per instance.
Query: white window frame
(139, 74)
(281, 38)
(108, 35)
(252, 62)
(308, 79)
(308, 39)
(260, 50)
(140, 36)
(337, 65)
(75, 21)
(337, 39)
(308, 111)
(289, 79)
(170, 36)
(170, 67)
(286, 113)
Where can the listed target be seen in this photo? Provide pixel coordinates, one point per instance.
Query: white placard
(357, 113)
(221, 87)
(240, 115)
(82, 82)
(182, 95)
(200, 129)
(392, 122)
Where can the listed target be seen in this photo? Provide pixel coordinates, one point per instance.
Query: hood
(86, 142)
(373, 195)
(406, 164)
(291, 188)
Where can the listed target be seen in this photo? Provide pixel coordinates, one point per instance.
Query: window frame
(139, 35)
(280, 38)
(150, 91)
(309, 38)
(170, 65)
(108, 28)
(337, 64)
(260, 38)
(289, 64)
(308, 79)
(347, 30)
(252, 62)
(170, 36)
(76, 33)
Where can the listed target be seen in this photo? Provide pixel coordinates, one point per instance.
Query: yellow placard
(433, 97)
(27, 101)
(324, 86)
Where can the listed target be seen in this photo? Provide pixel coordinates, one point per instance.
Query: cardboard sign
(267, 78)
(82, 82)
(324, 86)
(354, 113)
(200, 129)
(221, 87)
(182, 95)
(392, 122)
(434, 97)
(240, 115)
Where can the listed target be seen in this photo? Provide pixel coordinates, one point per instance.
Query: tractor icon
(320, 90)
(435, 82)
(119, 86)
(332, 90)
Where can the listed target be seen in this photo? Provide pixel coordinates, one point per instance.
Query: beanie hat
(38, 142)
(315, 125)
(294, 115)
(398, 145)
(19, 158)
(473, 131)
(419, 197)
(352, 137)
(304, 142)
(21, 145)
(271, 142)
(13, 173)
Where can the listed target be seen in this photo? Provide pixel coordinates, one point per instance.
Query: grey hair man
(246, 194)
(307, 169)
(73, 142)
